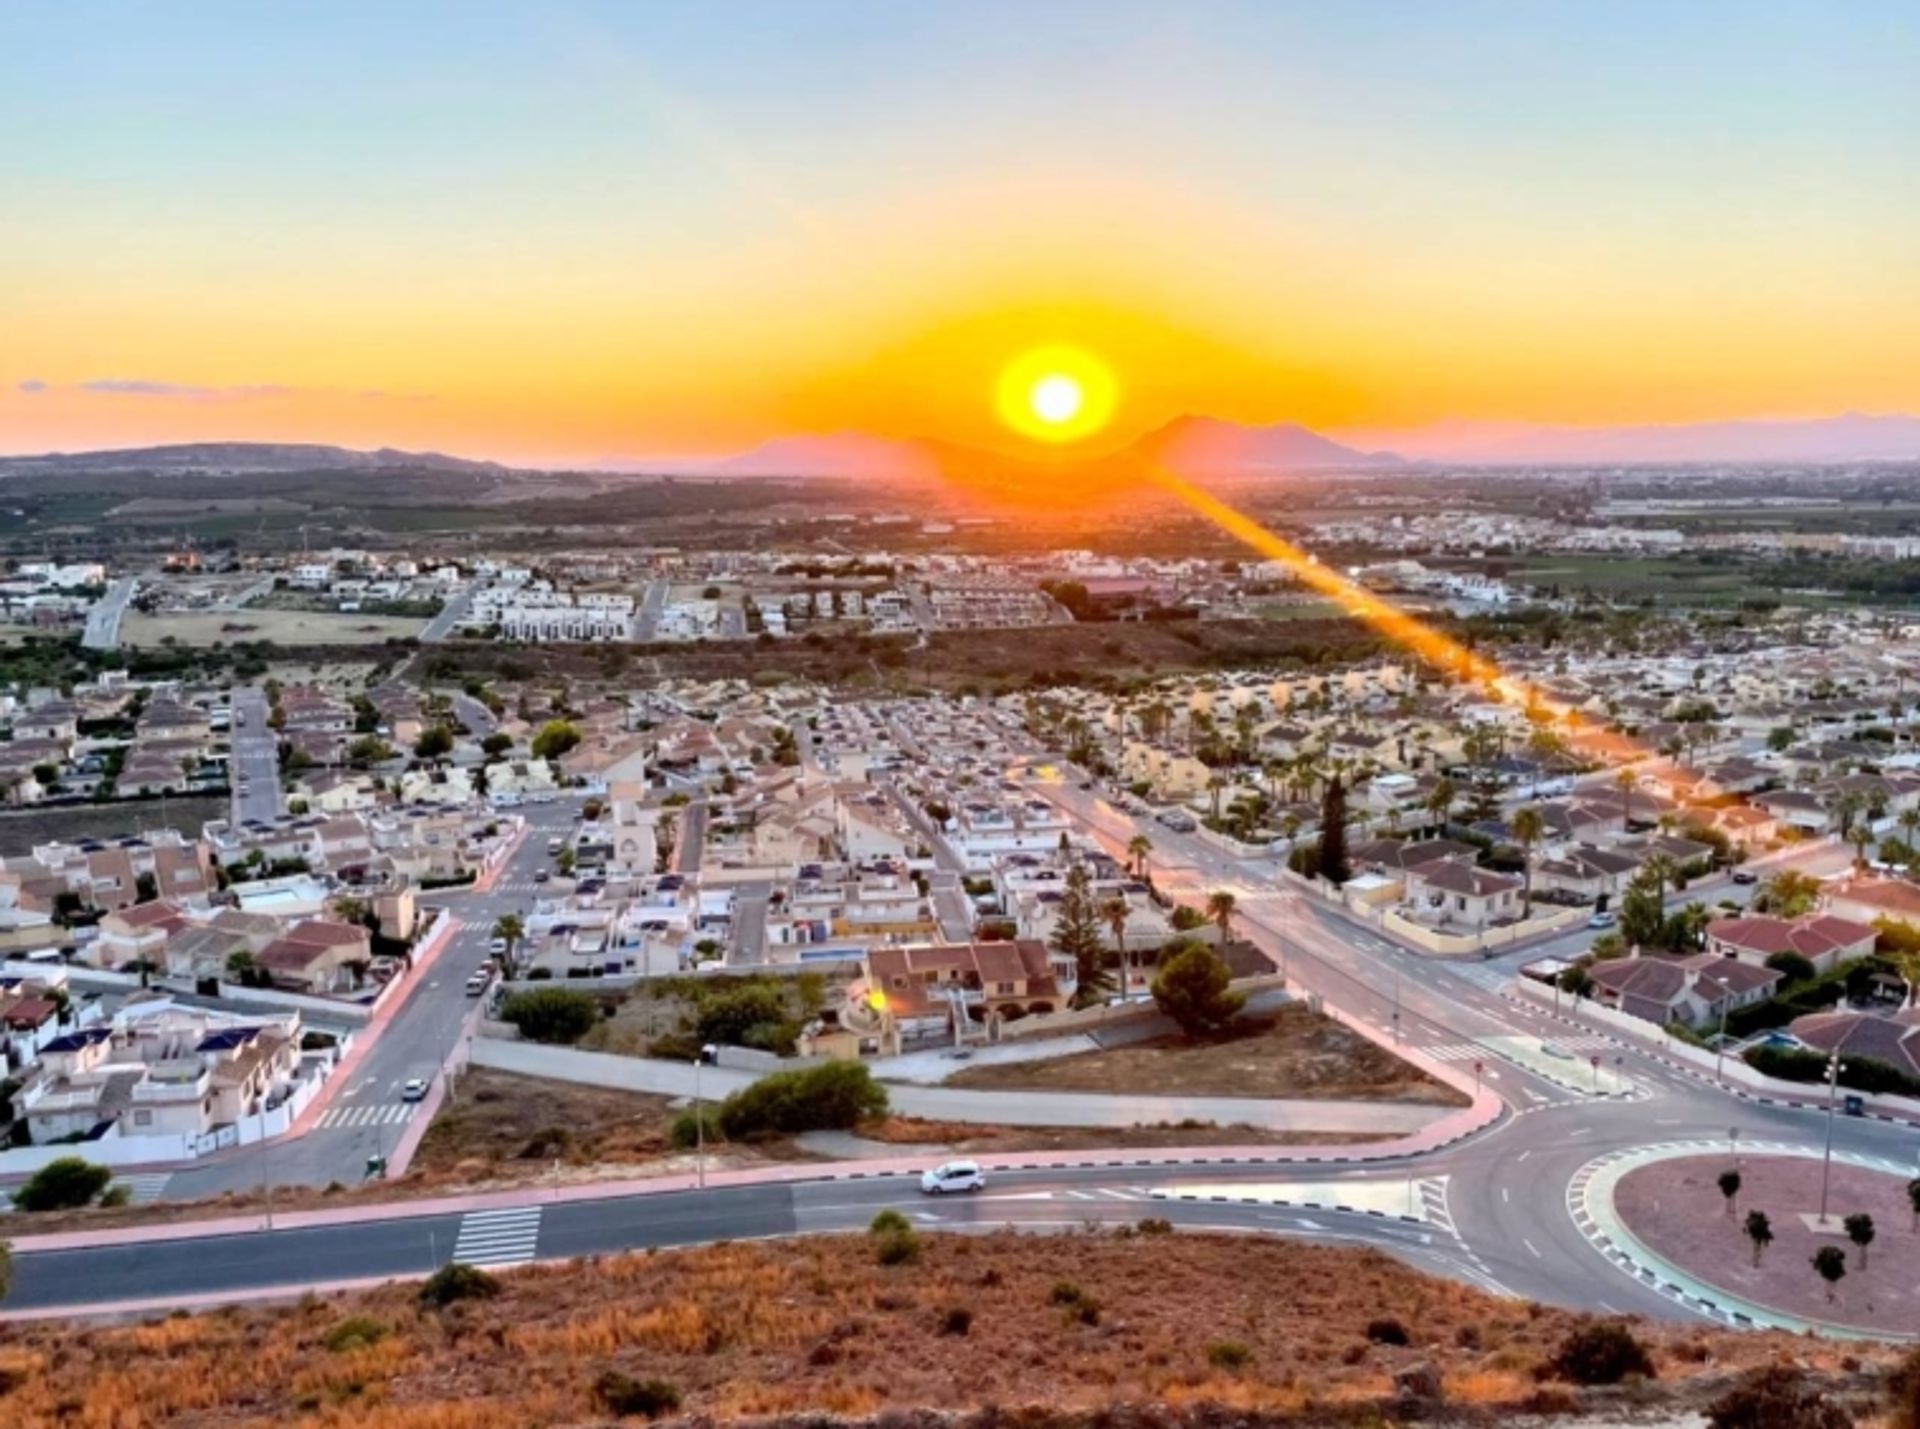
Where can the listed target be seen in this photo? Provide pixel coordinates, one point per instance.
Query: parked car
(415, 1090)
(1602, 920)
(477, 984)
(952, 1176)
(1745, 876)
(497, 946)
(540, 875)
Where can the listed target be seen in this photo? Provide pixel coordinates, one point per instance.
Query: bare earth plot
(1675, 1208)
(1293, 1053)
(283, 627)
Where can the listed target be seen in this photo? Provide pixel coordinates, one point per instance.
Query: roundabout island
(1739, 1234)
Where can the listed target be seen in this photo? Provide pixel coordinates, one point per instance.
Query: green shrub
(888, 1221)
(623, 1395)
(357, 1332)
(63, 1185)
(1065, 1292)
(1229, 1355)
(1387, 1332)
(458, 1282)
(1603, 1353)
(1155, 1225)
(1860, 1074)
(696, 1125)
(551, 1014)
(834, 1096)
(119, 1195)
(900, 1247)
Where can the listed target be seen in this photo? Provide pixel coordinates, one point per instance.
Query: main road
(253, 766)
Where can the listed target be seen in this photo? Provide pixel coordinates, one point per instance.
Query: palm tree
(1138, 849)
(1220, 906)
(1626, 781)
(1729, 1184)
(510, 930)
(1528, 827)
(1663, 871)
(1760, 1232)
(1114, 910)
(1909, 820)
(1441, 799)
(1906, 963)
(1859, 1227)
(1860, 835)
(1215, 783)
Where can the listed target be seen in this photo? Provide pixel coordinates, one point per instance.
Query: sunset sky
(553, 232)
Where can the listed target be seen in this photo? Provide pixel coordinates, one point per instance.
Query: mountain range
(1192, 445)
(240, 457)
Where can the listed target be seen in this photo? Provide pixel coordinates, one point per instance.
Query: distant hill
(836, 454)
(242, 457)
(1824, 440)
(1207, 446)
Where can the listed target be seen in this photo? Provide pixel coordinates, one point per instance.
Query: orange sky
(674, 235)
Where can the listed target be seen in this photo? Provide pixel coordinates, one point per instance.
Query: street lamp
(699, 1126)
(1834, 1068)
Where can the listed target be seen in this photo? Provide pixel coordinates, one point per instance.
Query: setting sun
(1057, 394)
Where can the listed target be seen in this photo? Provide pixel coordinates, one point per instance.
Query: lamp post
(699, 1126)
(1720, 1042)
(1834, 1068)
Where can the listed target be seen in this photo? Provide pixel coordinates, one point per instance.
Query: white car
(497, 946)
(415, 1090)
(952, 1176)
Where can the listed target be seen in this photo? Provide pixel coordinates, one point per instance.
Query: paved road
(750, 902)
(450, 616)
(646, 616)
(474, 715)
(690, 836)
(366, 1117)
(1058, 1200)
(255, 763)
(103, 620)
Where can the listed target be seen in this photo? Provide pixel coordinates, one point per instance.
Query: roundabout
(1734, 1235)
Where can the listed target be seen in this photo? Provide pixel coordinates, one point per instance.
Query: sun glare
(1057, 394)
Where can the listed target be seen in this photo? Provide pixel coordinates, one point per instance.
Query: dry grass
(1290, 1053)
(816, 1326)
(970, 1137)
(283, 627)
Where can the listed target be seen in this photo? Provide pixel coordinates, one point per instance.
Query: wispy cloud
(33, 384)
(145, 387)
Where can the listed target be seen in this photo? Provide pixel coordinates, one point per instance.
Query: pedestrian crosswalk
(1471, 1051)
(1433, 1203)
(1110, 1193)
(497, 1239)
(372, 1114)
(144, 1187)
